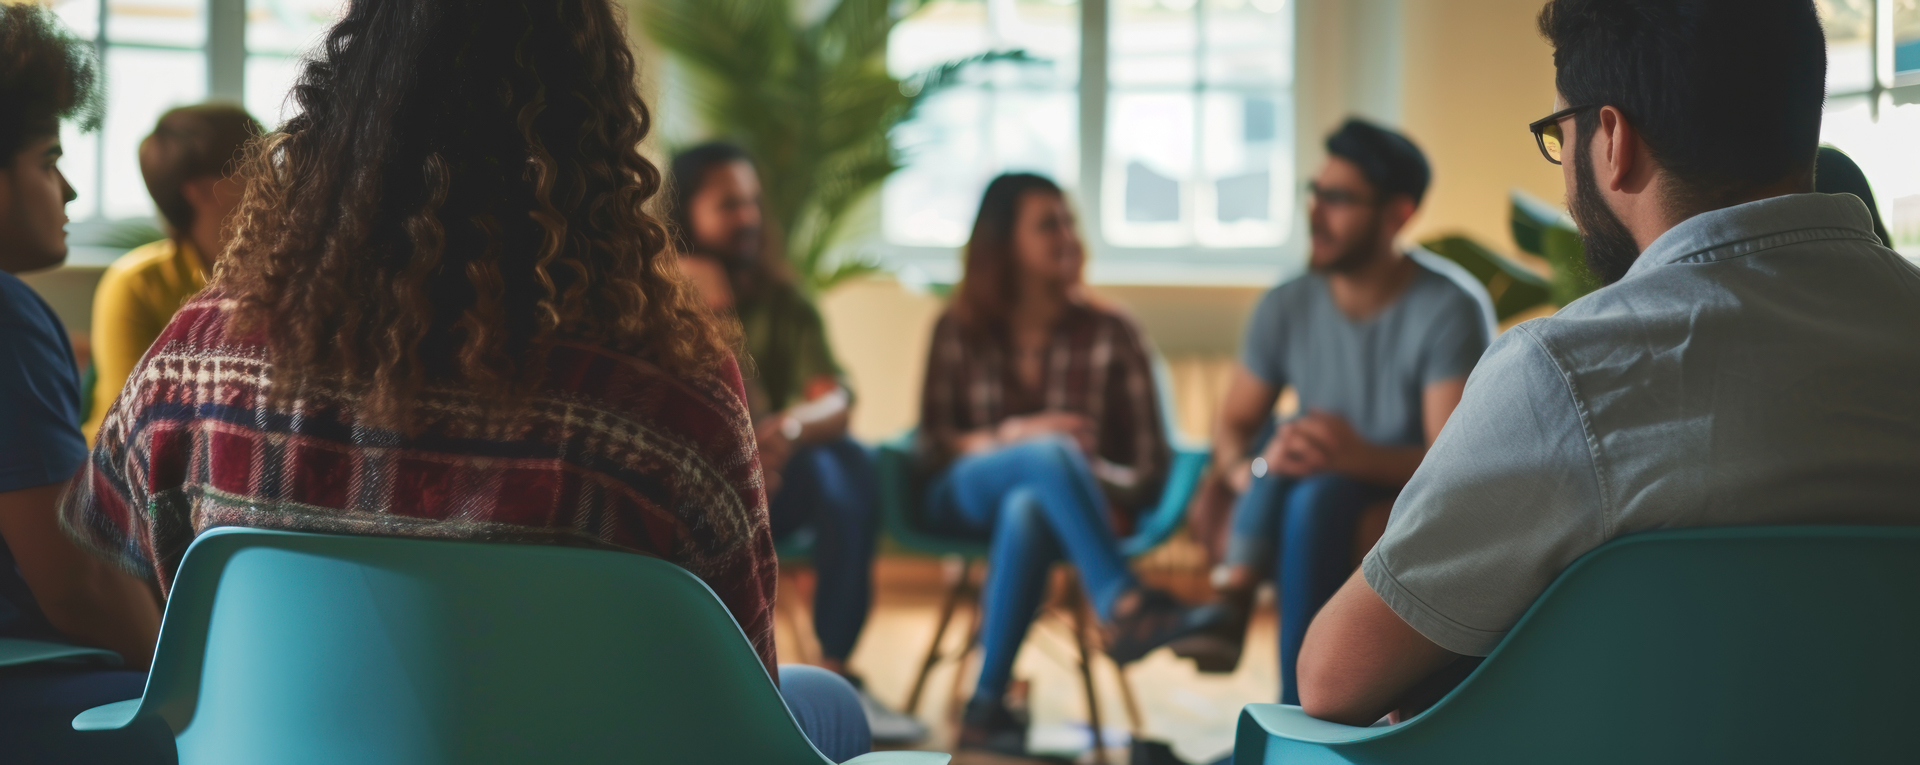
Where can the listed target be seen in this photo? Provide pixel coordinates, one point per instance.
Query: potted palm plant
(811, 100)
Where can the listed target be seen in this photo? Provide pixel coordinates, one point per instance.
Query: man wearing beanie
(1376, 341)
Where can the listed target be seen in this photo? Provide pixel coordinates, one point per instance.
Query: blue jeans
(830, 489)
(1038, 503)
(1310, 522)
(827, 709)
(37, 705)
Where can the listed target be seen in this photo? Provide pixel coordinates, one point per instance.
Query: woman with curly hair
(445, 313)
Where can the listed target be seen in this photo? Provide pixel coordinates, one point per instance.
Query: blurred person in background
(1040, 431)
(820, 482)
(52, 591)
(447, 313)
(1377, 342)
(1836, 173)
(188, 163)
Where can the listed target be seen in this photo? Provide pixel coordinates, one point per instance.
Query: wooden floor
(1196, 713)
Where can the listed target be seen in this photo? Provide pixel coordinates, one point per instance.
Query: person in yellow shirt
(187, 162)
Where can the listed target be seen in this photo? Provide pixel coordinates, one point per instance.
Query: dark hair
(461, 188)
(685, 176)
(1388, 159)
(1835, 173)
(190, 143)
(46, 75)
(1727, 93)
(989, 280)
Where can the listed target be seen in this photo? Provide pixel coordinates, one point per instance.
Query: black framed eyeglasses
(1547, 132)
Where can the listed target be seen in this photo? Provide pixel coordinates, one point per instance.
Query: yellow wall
(1477, 72)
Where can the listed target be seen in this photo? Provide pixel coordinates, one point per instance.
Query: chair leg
(1080, 632)
(955, 593)
(958, 701)
(1126, 696)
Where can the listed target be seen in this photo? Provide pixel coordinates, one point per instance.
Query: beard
(739, 251)
(1610, 247)
(1354, 255)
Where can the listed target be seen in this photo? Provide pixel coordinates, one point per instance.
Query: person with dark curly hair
(50, 589)
(445, 313)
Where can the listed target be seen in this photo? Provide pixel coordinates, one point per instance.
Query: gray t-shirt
(1371, 372)
(1757, 365)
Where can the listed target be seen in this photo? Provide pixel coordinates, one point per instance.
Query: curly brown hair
(46, 75)
(461, 188)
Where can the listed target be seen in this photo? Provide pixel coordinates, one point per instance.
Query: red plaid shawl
(614, 452)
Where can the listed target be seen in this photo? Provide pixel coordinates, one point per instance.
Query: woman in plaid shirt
(1040, 430)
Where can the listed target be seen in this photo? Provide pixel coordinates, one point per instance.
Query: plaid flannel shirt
(613, 452)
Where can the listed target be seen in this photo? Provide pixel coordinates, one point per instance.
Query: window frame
(226, 55)
(1109, 263)
(1885, 80)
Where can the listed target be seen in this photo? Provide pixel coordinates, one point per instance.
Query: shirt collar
(1711, 235)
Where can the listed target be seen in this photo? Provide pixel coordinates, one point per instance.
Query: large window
(159, 54)
(1003, 116)
(1190, 157)
(1873, 103)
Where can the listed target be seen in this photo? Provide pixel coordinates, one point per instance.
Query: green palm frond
(814, 104)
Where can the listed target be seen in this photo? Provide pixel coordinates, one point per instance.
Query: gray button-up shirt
(1759, 364)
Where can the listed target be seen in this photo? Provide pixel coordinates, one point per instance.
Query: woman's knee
(828, 710)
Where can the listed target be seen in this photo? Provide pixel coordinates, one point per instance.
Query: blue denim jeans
(829, 489)
(1038, 503)
(828, 710)
(1310, 523)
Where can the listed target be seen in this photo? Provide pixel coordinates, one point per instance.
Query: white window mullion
(1093, 118)
(227, 50)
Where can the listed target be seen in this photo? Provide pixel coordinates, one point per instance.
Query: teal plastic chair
(288, 648)
(1748, 645)
(15, 652)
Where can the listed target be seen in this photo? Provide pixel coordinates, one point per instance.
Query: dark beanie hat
(1389, 161)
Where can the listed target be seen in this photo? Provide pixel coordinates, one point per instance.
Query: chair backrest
(1757, 644)
(301, 648)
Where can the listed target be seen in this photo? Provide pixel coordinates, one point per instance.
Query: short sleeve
(1456, 339)
(40, 439)
(104, 507)
(1507, 497)
(1263, 350)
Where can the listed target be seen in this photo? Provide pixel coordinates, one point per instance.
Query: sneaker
(1216, 648)
(888, 726)
(1156, 620)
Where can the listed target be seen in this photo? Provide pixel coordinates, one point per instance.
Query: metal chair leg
(1126, 696)
(960, 589)
(957, 703)
(1080, 641)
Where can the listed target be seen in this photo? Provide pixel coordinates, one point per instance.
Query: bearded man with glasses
(1750, 360)
(1376, 342)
